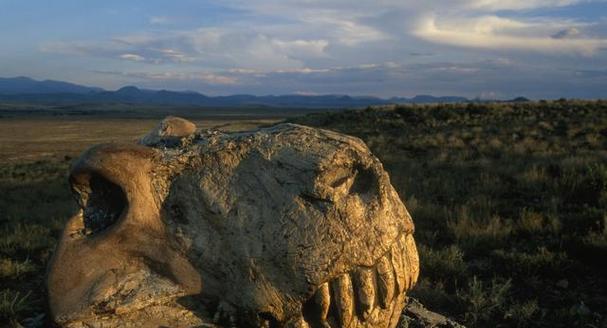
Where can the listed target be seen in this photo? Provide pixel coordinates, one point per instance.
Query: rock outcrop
(287, 226)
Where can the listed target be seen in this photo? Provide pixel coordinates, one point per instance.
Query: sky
(540, 49)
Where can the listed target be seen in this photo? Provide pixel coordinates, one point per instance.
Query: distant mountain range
(24, 89)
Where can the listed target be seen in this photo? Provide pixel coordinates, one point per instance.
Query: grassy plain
(35, 201)
(509, 201)
(54, 138)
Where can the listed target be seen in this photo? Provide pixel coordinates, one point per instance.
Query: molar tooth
(385, 282)
(413, 260)
(399, 269)
(323, 301)
(343, 299)
(364, 283)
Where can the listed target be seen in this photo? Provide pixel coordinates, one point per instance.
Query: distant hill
(25, 85)
(23, 89)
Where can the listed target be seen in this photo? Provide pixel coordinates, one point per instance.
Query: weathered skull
(287, 226)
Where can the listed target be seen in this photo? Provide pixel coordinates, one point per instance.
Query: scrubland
(509, 202)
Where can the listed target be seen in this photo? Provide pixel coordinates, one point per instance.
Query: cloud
(159, 20)
(150, 51)
(500, 77)
(566, 33)
(493, 32)
(601, 74)
(421, 54)
(287, 34)
(495, 5)
(132, 57)
(348, 32)
(201, 77)
(211, 47)
(381, 47)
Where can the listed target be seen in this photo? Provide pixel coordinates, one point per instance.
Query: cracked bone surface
(286, 226)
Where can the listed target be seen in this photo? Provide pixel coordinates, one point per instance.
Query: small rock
(416, 315)
(169, 132)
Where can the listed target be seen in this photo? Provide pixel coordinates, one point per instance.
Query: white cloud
(504, 34)
(159, 20)
(132, 57)
(360, 47)
(234, 47)
(213, 47)
(348, 32)
(174, 55)
(201, 77)
(494, 5)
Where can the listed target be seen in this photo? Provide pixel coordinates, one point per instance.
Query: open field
(34, 139)
(35, 154)
(509, 201)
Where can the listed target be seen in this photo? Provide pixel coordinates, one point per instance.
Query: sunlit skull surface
(287, 226)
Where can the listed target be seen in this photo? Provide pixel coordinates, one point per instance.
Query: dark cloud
(566, 33)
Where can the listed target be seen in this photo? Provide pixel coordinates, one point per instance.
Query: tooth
(406, 262)
(399, 269)
(385, 282)
(343, 299)
(407, 265)
(413, 259)
(364, 283)
(323, 301)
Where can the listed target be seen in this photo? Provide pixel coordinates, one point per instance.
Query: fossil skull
(287, 226)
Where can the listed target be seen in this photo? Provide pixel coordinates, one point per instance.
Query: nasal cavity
(102, 202)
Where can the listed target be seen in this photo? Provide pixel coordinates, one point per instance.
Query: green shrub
(12, 269)
(442, 264)
(518, 188)
(13, 303)
(484, 302)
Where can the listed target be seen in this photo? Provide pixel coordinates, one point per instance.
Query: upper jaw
(364, 296)
(360, 297)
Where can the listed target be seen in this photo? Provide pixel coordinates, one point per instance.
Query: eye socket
(364, 182)
(102, 202)
(356, 180)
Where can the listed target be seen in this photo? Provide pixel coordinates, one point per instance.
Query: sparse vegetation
(509, 201)
(36, 200)
(12, 304)
(35, 203)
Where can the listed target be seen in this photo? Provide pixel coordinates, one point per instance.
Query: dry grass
(509, 202)
(54, 138)
(35, 199)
